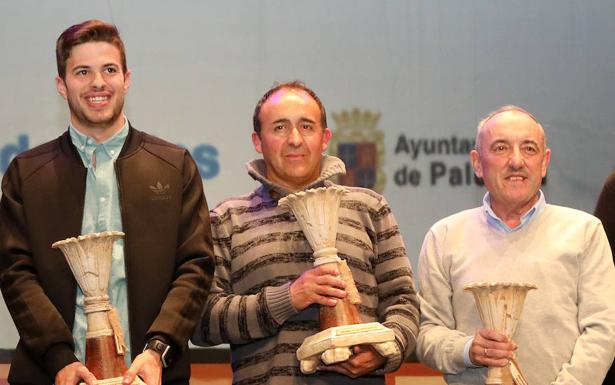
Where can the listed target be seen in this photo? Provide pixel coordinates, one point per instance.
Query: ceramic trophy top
(316, 211)
(89, 257)
(500, 304)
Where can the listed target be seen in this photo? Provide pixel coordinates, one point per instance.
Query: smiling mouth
(95, 100)
(515, 178)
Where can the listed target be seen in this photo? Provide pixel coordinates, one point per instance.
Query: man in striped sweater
(266, 294)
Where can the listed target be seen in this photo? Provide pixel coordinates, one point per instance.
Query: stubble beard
(91, 120)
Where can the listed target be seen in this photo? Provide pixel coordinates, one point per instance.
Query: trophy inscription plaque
(500, 305)
(316, 211)
(89, 257)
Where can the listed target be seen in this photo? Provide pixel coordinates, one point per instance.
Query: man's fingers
(73, 373)
(87, 376)
(319, 286)
(330, 291)
(492, 335)
(359, 359)
(495, 362)
(495, 353)
(325, 270)
(337, 368)
(364, 360)
(483, 355)
(325, 301)
(129, 376)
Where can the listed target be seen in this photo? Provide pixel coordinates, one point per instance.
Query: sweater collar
(330, 166)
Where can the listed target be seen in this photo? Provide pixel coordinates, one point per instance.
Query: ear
(61, 87)
(546, 161)
(127, 79)
(326, 138)
(476, 163)
(256, 140)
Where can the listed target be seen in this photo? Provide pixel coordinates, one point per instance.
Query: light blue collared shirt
(101, 212)
(495, 221)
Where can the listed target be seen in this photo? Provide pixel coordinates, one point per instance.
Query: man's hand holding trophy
(89, 257)
(316, 211)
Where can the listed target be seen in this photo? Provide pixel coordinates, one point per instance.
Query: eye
(280, 129)
(499, 148)
(110, 70)
(81, 72)
(530, 149)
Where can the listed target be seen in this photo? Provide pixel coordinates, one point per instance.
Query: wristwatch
(165, 350)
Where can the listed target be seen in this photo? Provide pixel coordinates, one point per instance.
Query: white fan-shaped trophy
(316, 211)
(89, 257)
(500, 305)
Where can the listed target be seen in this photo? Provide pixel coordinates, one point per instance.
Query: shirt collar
(86, 145)
(495, 221)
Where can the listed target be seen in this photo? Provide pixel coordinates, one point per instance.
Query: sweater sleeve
(234, 318)
(595, 347)
(398, 307)
(439, 345)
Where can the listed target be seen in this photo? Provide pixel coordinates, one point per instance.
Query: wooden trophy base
(102, 359)
(343, 313)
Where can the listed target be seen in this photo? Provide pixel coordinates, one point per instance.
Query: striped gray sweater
(260, 250)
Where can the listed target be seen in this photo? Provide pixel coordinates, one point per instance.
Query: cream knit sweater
(566, 334)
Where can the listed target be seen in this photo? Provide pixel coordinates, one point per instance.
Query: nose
(97, 80)
(294, 137)
(516, 159)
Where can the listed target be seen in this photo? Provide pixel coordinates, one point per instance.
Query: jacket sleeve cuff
(279, 303)
(57, 357)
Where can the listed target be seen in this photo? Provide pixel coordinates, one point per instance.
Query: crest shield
(360, 145)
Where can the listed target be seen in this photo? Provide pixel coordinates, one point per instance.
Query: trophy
(89, 258)
(316, 211)
(499, 306)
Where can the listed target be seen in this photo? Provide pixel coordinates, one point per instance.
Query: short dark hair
(294, 85)
(88, 31)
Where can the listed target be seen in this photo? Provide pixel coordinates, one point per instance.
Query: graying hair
(508, 107)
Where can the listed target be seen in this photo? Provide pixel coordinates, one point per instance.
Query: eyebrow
(307, 120)
(286, 120)
(505, 141)
(282, 120)
(85, 66)
(79, 67)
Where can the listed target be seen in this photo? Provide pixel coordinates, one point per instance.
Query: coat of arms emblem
(358, 142)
